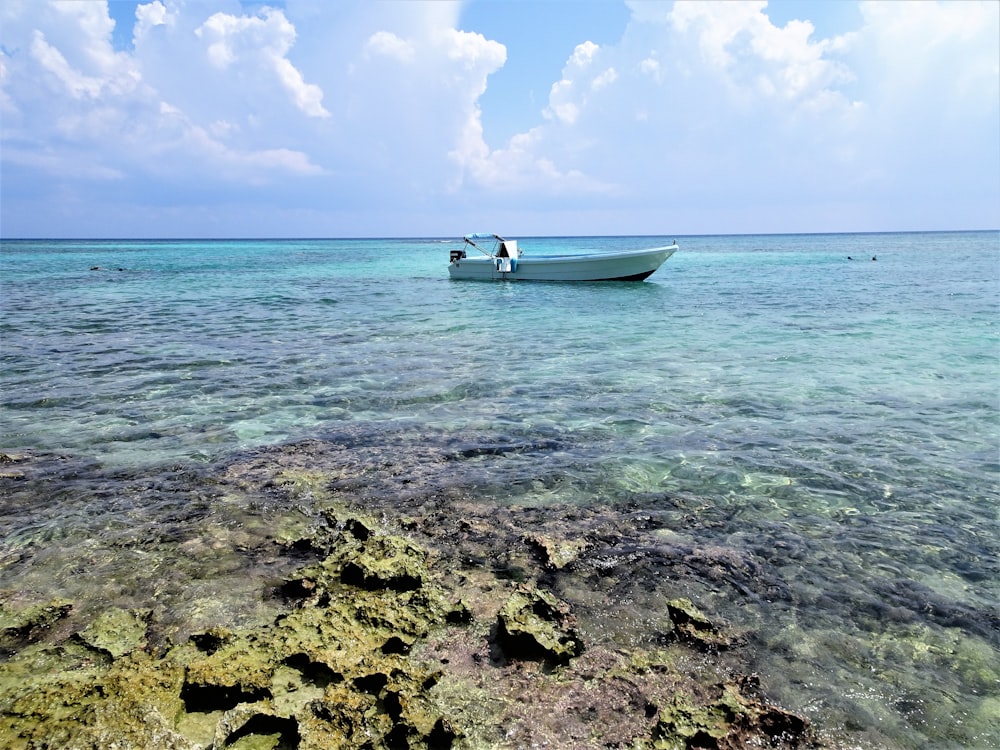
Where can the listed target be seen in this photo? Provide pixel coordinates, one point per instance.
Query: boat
(501, 259)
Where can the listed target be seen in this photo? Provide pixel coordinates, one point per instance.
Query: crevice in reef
(207, 699)
(371, 683)
(355, 575)
(313, 672)
(282, 733)
(460, 626)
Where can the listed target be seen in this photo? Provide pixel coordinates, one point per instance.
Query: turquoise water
(833, 420)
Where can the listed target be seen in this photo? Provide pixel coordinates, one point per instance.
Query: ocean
(823, 407)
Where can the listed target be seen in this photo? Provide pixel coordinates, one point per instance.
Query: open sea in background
(837, 421)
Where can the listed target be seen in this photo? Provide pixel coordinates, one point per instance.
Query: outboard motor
(456, 255)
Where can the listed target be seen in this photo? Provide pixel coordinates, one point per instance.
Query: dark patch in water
(504, 448)
(925, 604)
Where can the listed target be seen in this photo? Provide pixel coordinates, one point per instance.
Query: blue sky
(220, 118)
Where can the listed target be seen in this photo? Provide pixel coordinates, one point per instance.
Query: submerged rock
(31, 624)
(6, 466)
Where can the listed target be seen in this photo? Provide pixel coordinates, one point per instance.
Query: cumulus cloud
(425, 100)
(622, 115)
(569, 95)
(746, 51)
(148, 17)
(208, 145)
(52, 61)
(65, 50)
(111, 103)
(701, 103)
(261, 43)
(693, 107)
(388, 44)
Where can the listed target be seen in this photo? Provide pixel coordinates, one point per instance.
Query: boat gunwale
(596, 256)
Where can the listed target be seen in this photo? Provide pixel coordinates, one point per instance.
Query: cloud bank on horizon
(357, 118)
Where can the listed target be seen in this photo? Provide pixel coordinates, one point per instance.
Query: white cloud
(148, 17)
(378, 107)
(388, 44)
(307, 97)
(261, 42)
(66, 49)
(651, 67)
(606, 78)
(474, 51)
(7, 105)
(748, 52)
(67, 87)
(421, 104)
(567, 97)
(206, 145)
(646, 12)
(950, 46)
(51, 60)
(83, 167)
(713, 103)
(92, 48)
(561, 106)
(583, 55)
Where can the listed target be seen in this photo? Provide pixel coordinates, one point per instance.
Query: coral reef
(447, 627)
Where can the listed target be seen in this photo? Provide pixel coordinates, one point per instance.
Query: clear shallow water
(835, 421)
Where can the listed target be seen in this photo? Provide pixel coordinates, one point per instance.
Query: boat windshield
(479, 241)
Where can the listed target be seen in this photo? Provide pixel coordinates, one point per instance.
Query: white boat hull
(629, 265)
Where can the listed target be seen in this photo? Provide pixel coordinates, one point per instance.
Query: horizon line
(277, 238)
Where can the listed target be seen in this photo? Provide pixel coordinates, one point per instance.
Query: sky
(361, 118)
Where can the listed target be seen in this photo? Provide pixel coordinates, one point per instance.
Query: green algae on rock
(331, 672)
(691, 625)
(116, 632)
(386, 640)
(727, 722)
(335, 666)
(534, 624)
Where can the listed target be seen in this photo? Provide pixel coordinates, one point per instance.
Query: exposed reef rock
(535, 625)
(724, 723)
(116, 632)
(694, 627)
(330, 672)
(402, 622)
(558, 553)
